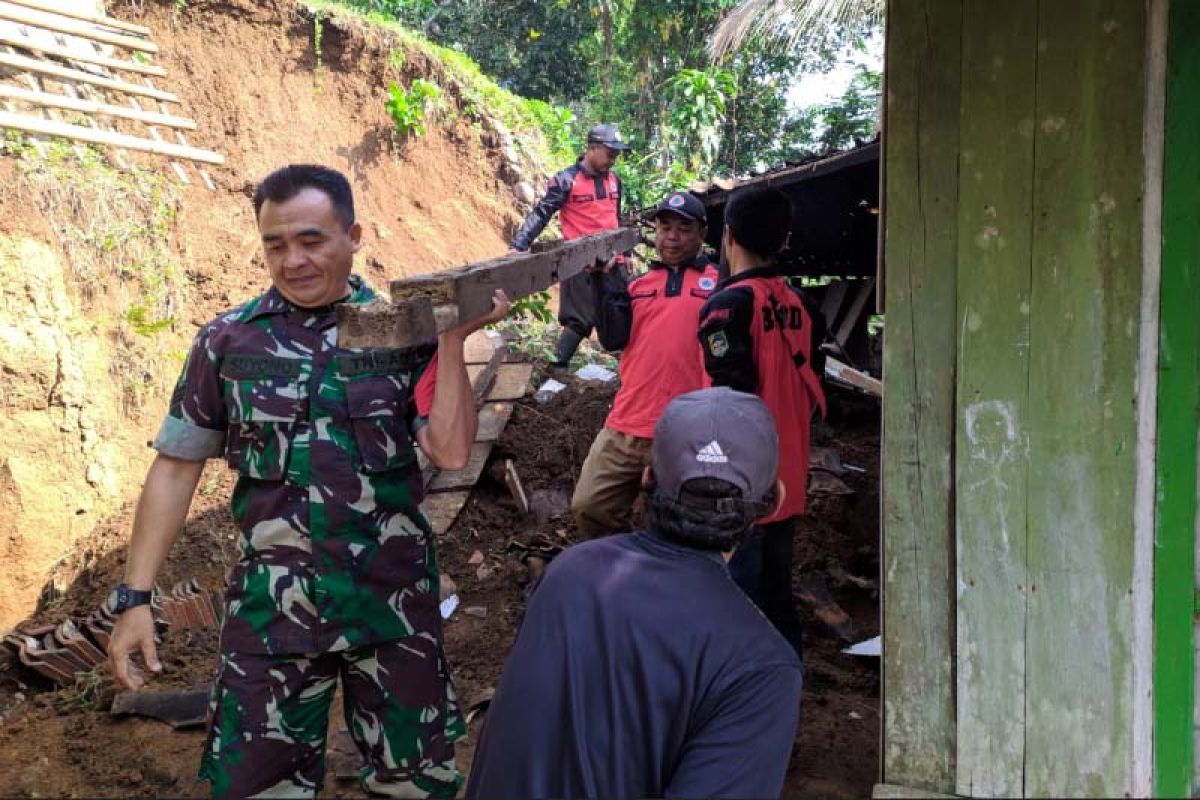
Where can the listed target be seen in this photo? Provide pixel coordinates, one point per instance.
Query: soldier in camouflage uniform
(338, 575)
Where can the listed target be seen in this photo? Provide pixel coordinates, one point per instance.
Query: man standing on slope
(758, 337)
(587, 197)
(653, 320)
(338, 575)
(641, 669)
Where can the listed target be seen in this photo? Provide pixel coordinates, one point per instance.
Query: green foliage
(534, 306)
(558, 126)
(408, 108)
(318, 34)
(140, 320)
(697, 114)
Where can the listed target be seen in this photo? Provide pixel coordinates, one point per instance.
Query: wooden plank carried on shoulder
(460, 295)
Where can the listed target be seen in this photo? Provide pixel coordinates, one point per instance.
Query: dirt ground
(63, 743)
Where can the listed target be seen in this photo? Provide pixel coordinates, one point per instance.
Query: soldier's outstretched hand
(134, 632)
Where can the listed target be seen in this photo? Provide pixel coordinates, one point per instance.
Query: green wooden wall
(1176, 774)
(1014, 173)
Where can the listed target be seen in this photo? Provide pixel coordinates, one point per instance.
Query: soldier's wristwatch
(123, 598)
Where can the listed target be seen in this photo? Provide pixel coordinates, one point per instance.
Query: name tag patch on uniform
(249, 367)
(718, 344)
(382, 360)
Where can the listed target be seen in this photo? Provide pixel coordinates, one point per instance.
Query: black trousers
(762, 567)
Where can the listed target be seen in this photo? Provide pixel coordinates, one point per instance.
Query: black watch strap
(124, 598)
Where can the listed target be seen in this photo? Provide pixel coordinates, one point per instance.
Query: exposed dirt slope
(93, 328)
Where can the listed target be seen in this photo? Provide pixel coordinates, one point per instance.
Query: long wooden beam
(25, 43)
(56, 22)
(108, 22)
(41, 67)
(88, 107)
(79, 133)
(425, 305)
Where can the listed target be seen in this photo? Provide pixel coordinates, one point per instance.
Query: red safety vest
(663, 358)
(593, 205)
(782, 334)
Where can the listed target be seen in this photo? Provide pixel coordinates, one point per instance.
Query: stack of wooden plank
(497, 384)
(45, 44)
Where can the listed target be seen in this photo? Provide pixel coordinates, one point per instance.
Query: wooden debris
(512, 382)
(852, 377)
(513, 481)
(458, 296)
(80, 133)
(493, 417)
(106, 21)
(74, 54)
(97, 109)
(813, 592)
(466, 477)
(60, 23)
(179, 709)
(442, 509)
(821, 482)
(381, 324)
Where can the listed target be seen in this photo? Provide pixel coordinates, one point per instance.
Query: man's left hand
(500, 306)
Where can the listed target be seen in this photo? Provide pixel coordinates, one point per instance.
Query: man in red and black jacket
(653, 320)
(758, 337)
(587, 197)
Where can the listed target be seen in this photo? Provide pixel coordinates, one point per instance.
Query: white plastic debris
(871, 647)
(547, 390)
(448, 605)
(595, 372)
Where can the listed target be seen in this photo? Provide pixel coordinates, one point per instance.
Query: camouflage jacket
(336, 552)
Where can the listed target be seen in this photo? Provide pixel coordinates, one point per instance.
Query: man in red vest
(652, 321)
(587, 198)
(758, 337)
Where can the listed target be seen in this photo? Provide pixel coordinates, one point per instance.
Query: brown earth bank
(64, 743)
(105, 274)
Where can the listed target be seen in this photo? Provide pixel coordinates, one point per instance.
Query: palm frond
(792, 21)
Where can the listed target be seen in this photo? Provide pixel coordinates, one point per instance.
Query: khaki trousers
(609, 483)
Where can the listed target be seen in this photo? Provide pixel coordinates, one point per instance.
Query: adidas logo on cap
(712, 453)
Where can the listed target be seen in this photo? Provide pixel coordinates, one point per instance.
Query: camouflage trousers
(269, 716)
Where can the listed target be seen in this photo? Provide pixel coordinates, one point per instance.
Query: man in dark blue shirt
(641, 669)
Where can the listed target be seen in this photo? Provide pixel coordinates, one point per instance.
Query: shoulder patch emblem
(718, 344)
(707, 284)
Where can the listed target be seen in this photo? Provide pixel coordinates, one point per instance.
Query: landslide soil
(57, 743)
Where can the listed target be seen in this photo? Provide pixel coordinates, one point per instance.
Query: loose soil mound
(62, 744)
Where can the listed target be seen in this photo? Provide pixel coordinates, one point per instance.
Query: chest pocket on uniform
(377, 407)
(265, 397)
(643, 295)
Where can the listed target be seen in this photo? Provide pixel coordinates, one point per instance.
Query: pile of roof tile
(61, 652)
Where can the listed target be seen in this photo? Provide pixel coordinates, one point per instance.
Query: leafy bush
(409, 107)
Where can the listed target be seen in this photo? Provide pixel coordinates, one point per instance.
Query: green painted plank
(1083, 350)
(919, 252)
(1178, 409)
(999, 53)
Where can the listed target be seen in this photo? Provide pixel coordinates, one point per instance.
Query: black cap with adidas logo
(716, 433)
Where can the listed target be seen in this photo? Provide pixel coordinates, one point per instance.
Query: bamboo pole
(26, 43)
(79, 76)
(108, 22)
(79, 133)
(54, 22)
(89, 107)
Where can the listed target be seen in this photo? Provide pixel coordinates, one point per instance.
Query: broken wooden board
(513, 481)
(493, 417)
(849, 375)
(442, 300)
(466, 477)
(442, 508)
(512, 382)
(179, 709)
